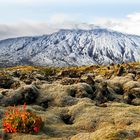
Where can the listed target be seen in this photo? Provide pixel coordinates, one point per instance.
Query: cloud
(130, 24)
(35, 28)
(61, 18)
(25, 29)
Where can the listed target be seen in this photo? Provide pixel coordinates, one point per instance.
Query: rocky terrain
(76, 103)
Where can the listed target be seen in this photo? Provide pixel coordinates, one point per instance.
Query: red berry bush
(22, 121)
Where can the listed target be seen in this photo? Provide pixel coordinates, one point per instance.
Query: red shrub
(21, 121)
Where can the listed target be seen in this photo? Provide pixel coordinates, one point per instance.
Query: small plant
(21, 121)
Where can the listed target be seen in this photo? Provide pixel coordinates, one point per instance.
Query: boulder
(25, 94)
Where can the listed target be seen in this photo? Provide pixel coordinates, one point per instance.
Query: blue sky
(83, 10)
(121, 15)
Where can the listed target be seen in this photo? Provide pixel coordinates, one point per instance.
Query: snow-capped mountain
(71, 47)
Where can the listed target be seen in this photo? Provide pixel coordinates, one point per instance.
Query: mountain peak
(69, 47)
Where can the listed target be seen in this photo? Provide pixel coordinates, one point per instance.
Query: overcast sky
(36, 17)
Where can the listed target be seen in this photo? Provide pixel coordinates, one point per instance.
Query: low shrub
(22, 121)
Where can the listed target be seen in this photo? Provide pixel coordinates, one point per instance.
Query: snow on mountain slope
(71, 47)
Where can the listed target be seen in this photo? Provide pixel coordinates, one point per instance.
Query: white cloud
(61, 18)
(25, 29)
(130, 24)
(33, 28)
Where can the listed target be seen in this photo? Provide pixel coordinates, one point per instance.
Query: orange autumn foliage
(21, 121)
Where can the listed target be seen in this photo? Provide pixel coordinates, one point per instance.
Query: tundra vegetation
(70, 103)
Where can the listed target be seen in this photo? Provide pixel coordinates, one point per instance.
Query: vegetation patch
(22, 121)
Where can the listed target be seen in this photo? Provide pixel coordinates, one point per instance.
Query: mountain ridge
(71, 47)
